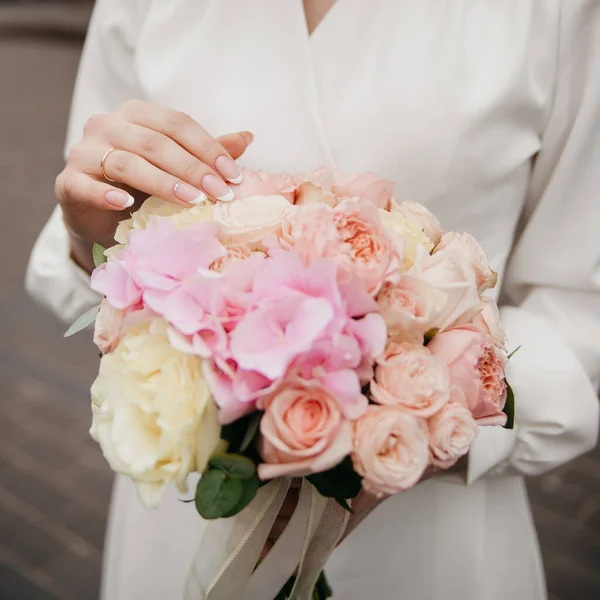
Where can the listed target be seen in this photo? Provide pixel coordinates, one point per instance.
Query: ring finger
(136, 172)
(170, 157)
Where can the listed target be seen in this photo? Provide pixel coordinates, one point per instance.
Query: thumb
(236, 143)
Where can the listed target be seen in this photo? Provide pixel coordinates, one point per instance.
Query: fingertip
(248, 136)
(119, 199)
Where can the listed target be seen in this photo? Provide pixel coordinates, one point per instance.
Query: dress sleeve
(105, 79)
(552, 283)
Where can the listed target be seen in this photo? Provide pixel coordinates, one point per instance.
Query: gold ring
(102, 166)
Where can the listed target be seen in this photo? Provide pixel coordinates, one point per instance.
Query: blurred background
(54, 484)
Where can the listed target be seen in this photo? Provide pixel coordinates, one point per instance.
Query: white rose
(406, 235)
(425, 220)
(488, 321)
(249, 221)
(465, 247)
(155, 207)
(409, 307)
(153, 413)
(454, 276)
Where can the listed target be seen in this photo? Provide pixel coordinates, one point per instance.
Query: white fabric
(485, 111)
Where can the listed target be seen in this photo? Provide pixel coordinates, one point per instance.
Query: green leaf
(251, 431)
(86, 319)
(513, 352)
(98, 254)
(509, 407)
(340, 482)
(234, 465)
(429, 335)
(249, 489)
(233, 433)
(217, 494)
(323, 588)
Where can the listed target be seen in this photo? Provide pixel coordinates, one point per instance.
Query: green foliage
(233, 465)
(86, 319)
(98, 255)
(509, 407)
(341, 482)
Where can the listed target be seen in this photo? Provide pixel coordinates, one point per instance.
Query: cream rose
(409, 376)
(409, 307)
(456, 279)
(302, 431)
(155, 207)
(390, 450)
(153, 413)
(406, 234)
(451, 431)
(236, 252)
(463, 246)
(249, 221)
(109, 323)
(424, 219)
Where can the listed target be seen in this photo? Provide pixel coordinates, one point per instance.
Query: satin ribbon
(223, 568)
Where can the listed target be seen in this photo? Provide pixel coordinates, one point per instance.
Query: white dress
(488, 112)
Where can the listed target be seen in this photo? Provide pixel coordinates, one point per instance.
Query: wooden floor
(54, 484)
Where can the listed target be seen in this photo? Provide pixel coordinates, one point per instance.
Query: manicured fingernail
(189, 194)
(228, 169)
(217, 188)
(249, 136)
(119, 198)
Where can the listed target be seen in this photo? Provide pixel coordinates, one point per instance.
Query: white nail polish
(237, 180)
(129, 202)
(228, 197)
(202, 197)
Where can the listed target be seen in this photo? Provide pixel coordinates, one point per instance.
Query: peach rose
(424, 219)
(262, 183)
(409, 376)
(476, 365)
(315, 187)
(365, 186)
(488, 322)
(302, 431)
(390, 450)
(249, 221)
(409, 307)
(451, 431)
(368, 253)
(236, 251)
(109, 324)
(463, 246)
(455, 277)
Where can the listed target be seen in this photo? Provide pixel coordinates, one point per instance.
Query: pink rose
(488, 322)
(476, 365)
(409, 307)
(261, 183)
(390, 450)
(365, 186)
(315, 187)
(463, 246)
(109, 323)
(367, 253)
(302, 432)
(410, 377)
(456, 279)
(451, 431)
(423, 218)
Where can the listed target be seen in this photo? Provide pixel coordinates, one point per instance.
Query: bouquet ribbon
(224, 566)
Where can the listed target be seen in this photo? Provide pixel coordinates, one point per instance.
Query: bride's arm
(105, 79)
(553, 279)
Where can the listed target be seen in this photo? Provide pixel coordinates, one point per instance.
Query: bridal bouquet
(314, 327)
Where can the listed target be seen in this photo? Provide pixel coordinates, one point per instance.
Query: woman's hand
(157, 152)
